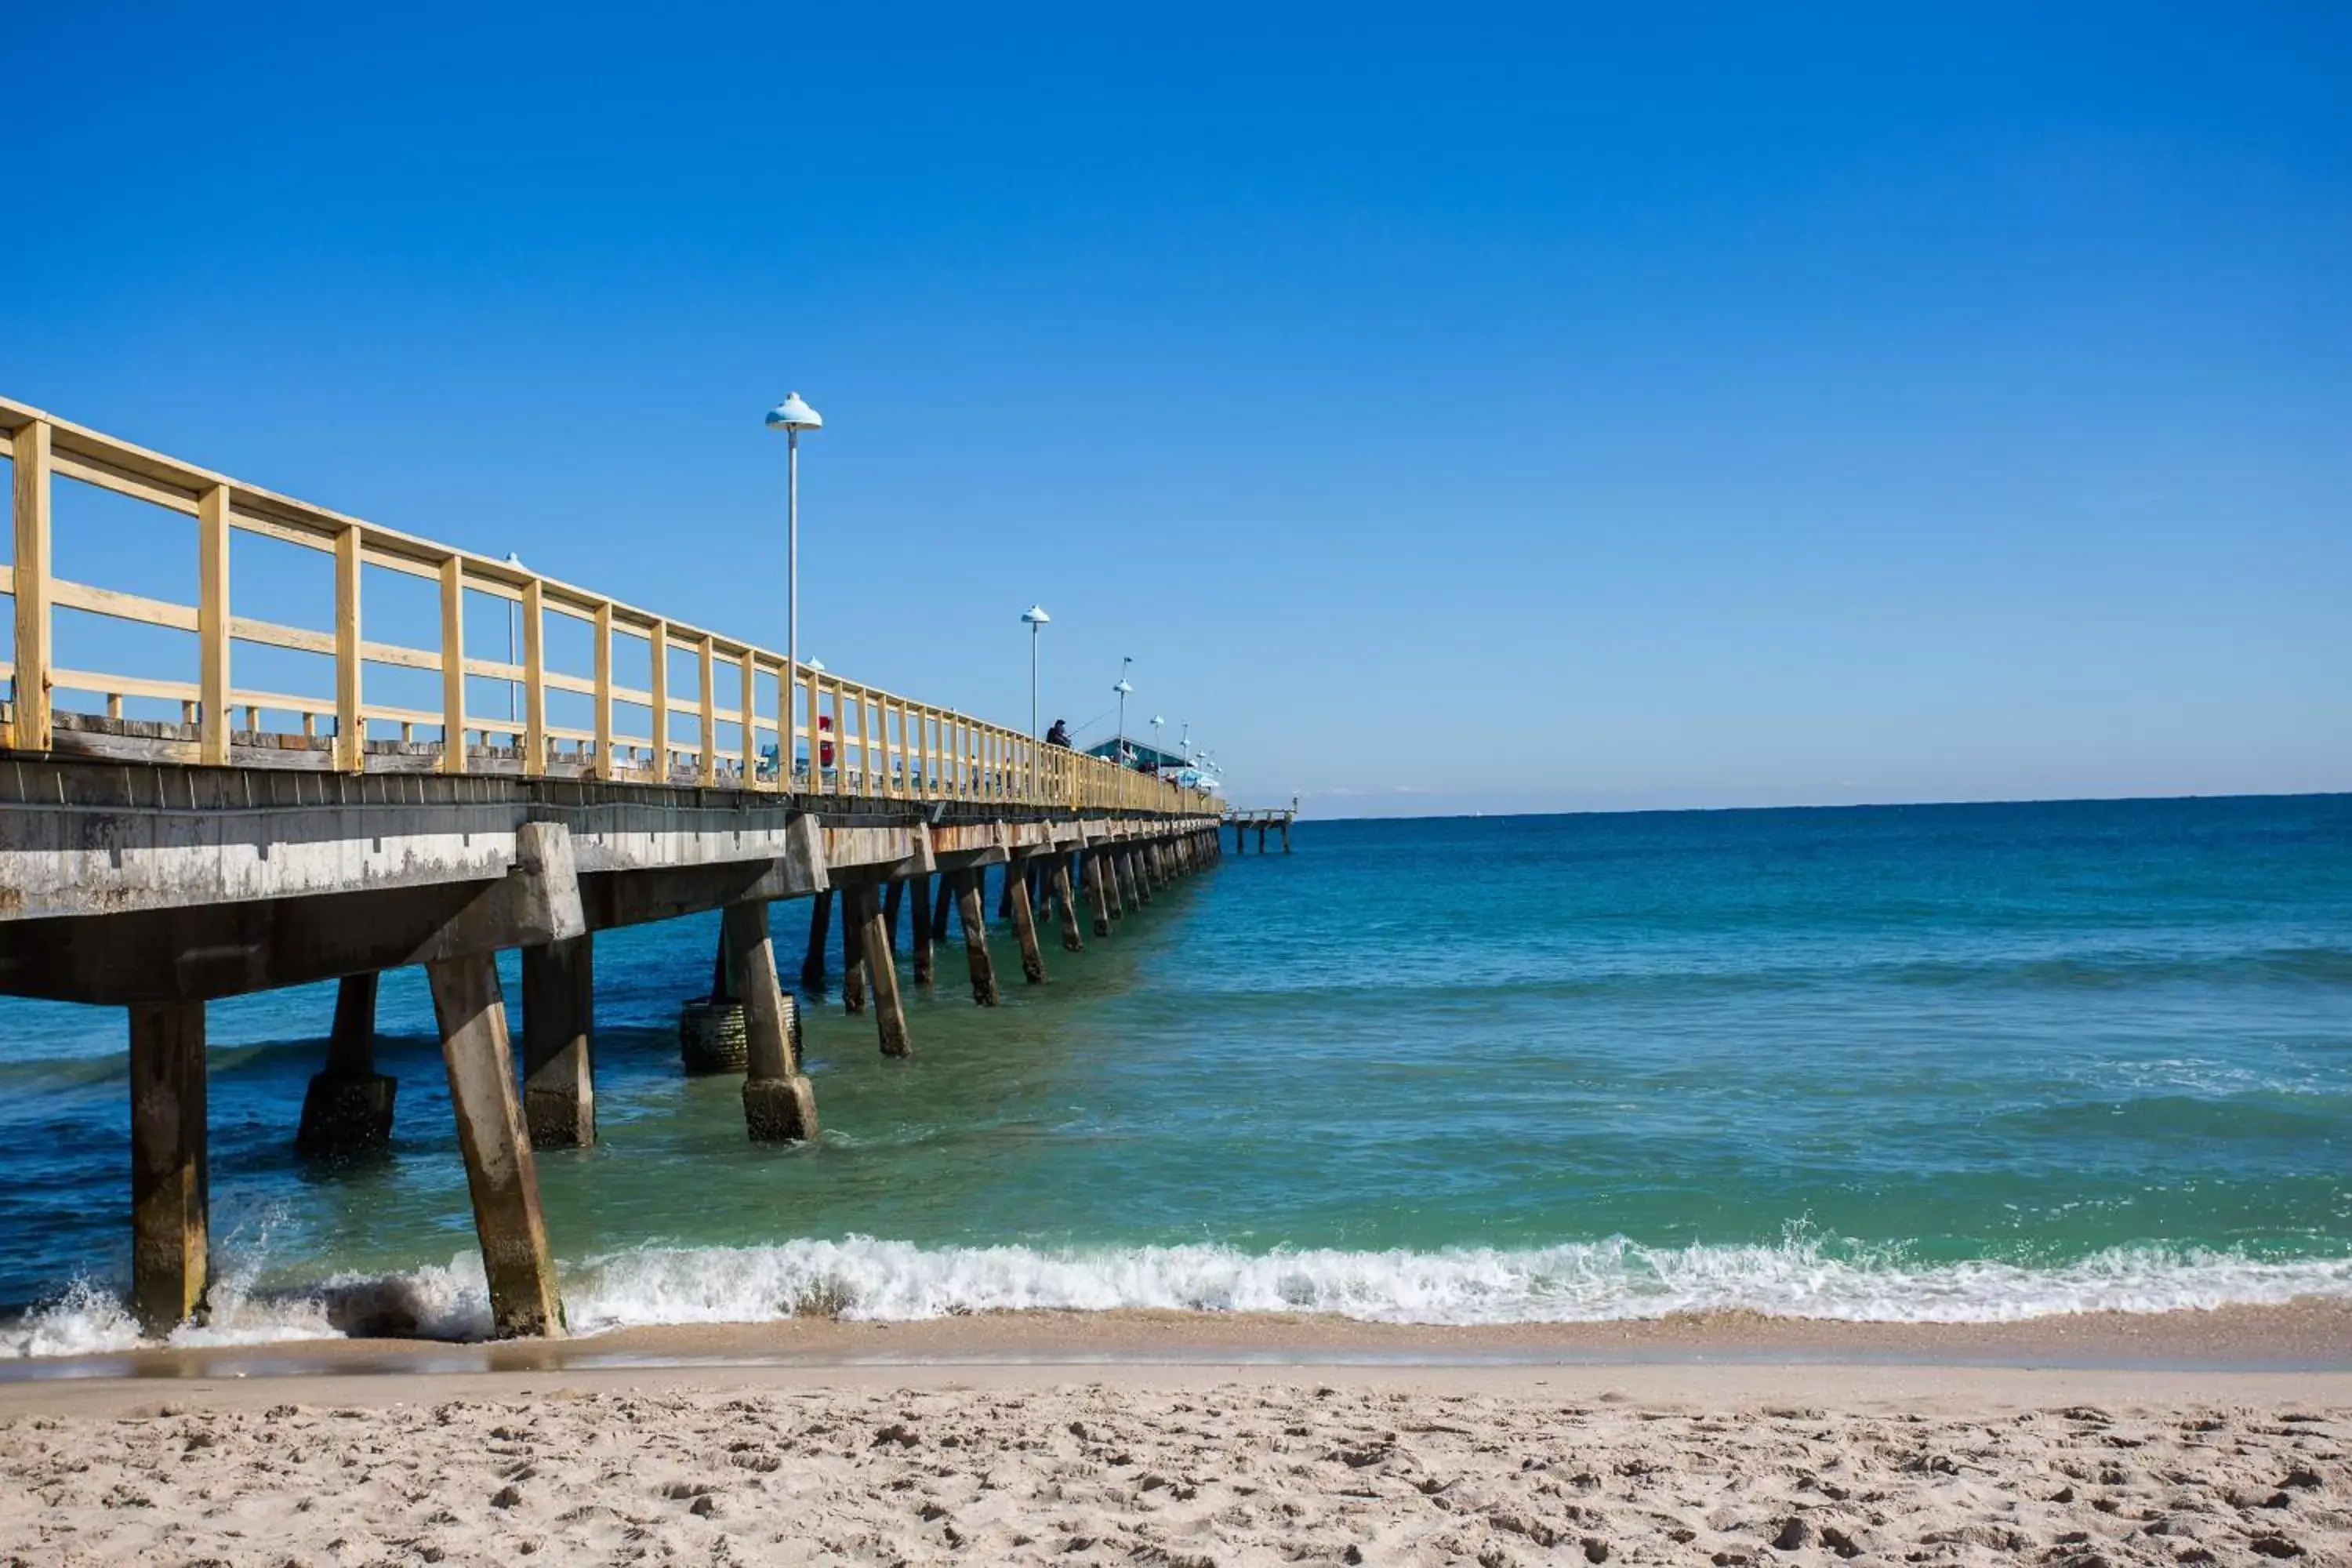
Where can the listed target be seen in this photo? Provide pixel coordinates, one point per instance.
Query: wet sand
(1173, 1439)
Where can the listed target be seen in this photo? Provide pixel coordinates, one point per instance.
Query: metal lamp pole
(791, 416)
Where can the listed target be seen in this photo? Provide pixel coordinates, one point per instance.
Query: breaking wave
(866, 1278)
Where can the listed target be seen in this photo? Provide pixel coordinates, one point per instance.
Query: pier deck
(223, 838)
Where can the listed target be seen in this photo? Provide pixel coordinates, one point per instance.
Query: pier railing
(827, 736)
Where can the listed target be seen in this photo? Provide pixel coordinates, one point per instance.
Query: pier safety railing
(829, 736)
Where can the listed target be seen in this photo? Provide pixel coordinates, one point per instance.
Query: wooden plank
(61, 679)
(453, 666)
(94, 470)
(65, 595)
(556, 680)
(212, 626)
(245, 628)
(534, 683)
(751, 721)
(30, 688)
(351, 735)
(404, 657)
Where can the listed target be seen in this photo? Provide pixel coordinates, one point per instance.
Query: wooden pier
(1264, 820)
(251, 838)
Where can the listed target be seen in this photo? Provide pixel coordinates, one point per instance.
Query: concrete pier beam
(499, 1172)
(820, 926)
(1025, 922)
(559, 1093)
(976, 937)
(1064, 897)
(348, 1107)
(779, 1103)
(923, 935)
(170, 1206)
(864, 904)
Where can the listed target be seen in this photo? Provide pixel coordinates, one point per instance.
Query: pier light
(791, 416)
(1036, 617)
(1122, 687)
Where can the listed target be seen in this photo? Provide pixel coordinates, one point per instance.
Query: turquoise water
(1934, 1062)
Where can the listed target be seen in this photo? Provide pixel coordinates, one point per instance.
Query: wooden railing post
(603, 698)
(453, 665)
(708, 769)
(751, 721)
(212, 626)
(534, 682)
(657, 643)
(31, 448)
(350, 729)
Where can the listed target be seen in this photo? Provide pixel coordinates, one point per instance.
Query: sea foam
(866, 1278)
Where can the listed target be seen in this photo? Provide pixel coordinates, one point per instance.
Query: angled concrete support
(1072, 941)
(976, 937)
(853, 953)
(348, 1107)
(559, 989)
(170, 1207)
(779, 1103)
(1099, 893)
(1024, 921)
(499, 1172)
(865, 908)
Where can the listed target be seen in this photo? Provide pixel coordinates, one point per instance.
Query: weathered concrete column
(976, 937)
(1131, 879)
(889, 1016)
(1025, 922)
(820, 924)
(1004, 894)
(853, 954)
(1155, 863)
(1108, 859)
(946, 901)
(348, 1106)
(1091, 873)
(891, 901)
(1072, 941)
(558, 1063)
(499, 1172)
(920, 909)
(1285, 835)
(170, 1200)
(779, 1103)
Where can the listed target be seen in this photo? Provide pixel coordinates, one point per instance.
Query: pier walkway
(168, 839)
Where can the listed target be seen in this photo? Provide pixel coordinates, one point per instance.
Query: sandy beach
(1204, 1440)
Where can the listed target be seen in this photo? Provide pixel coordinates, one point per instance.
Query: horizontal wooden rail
(821, 735)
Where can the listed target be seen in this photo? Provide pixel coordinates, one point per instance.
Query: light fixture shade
(816, 664)
(792, 414)
(1122, 687)
(1035, 615)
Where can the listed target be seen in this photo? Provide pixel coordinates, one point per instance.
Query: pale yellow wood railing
(836, 737)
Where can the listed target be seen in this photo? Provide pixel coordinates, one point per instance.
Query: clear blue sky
(1450, 408)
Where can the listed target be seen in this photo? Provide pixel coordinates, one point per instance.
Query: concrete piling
(1097, 894)
(1071, 940)
(976, 937)
(500, 1171)
(820, 921)
(853, 954)
(779, 1103)
(1024, 921)
(924, 933)
(892, 897)
(170, 1198)
(559, 1094)
(890, 1016)
(348, 1106)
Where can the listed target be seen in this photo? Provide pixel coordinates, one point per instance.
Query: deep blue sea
(1957, 1062)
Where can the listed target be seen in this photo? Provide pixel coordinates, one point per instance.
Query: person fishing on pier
(1059, 736)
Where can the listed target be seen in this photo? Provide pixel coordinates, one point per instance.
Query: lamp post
(1156, 722)
(1036, 616)
(1122, 687)
(791, 416)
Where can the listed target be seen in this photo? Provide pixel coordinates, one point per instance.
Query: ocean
(1936, 1063)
